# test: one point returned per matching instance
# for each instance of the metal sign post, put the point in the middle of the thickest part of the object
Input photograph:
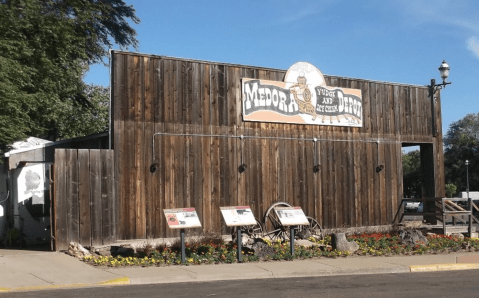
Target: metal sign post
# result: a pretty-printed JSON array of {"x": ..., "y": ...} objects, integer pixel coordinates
[
  {"x": 182, "y": 237},
  {"x": 291, "y": 233},
  {"x": 469, "y": 229},
  {"x": 240, "y": 242},
  {"x": 182, "y": 218},
  {"x": 292, "y": 217},
  {"x": 239, "y": 217}
]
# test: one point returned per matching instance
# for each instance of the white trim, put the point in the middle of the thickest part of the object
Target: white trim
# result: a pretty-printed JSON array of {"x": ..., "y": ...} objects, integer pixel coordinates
[{"x": 9, "y": 153}]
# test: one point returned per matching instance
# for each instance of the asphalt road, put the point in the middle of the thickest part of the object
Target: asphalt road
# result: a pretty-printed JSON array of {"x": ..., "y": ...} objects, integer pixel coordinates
[{"x": 432, "y": 284}]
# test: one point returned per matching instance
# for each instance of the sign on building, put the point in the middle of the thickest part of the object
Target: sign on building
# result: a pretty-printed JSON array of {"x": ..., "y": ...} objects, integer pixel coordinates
[{"x": 303, "y": 98}]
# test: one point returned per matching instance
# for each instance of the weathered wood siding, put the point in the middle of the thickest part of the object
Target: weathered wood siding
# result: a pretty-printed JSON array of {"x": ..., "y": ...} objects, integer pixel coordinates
[
  {"x": 153, "y": 94},
  {"x": 84, "y": 206}
]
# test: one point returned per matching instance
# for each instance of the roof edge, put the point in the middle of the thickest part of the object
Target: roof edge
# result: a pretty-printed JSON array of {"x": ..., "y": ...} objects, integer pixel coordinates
[
  {"x": 100, "y": 134},
  {"x": 260, "y": 67}
]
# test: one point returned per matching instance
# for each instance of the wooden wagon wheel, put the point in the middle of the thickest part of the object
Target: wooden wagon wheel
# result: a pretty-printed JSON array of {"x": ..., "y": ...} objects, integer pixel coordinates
[
  {"x": 272, "y": 225},
  {"x": 313, "y": 227},
  {"x": 256, "y": 231}
]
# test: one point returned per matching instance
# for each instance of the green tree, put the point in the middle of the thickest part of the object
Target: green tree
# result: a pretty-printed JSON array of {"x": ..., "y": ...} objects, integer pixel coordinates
[
  {"x": 412, "y": 174},
  {"x": 93, "y": 118},
  {"x": 461, "y": 143},
  {"x": 451, "y": 190},
  {"x": 46, "y": 46}
]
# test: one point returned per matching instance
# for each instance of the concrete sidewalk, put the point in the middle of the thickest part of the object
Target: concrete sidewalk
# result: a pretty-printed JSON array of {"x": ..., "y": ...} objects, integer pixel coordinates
[{"x": 30, "y": 270}]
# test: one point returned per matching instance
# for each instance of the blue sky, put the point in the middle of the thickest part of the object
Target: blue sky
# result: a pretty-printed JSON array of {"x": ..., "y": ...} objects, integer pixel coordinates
[{"x": 394, "y": 41}]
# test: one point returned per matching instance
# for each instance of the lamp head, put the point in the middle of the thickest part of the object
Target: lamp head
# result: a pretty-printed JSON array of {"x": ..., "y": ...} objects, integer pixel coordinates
[
  {"x": 467, "y": 162},
  {"x": 444, "y": 70}
]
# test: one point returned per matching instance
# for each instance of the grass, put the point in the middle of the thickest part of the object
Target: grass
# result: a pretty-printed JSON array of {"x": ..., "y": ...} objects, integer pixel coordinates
[{"x": 211, "y": 250}]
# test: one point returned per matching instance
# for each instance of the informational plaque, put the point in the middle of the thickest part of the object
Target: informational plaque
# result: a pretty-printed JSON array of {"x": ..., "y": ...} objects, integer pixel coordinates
[
  {"x": 238, "y": 216},
  {"x": 182, "y": 218},
  {"x": 291, "y": 216}
]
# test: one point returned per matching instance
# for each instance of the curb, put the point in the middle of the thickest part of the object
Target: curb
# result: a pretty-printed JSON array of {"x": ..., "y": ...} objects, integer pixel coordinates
[
  {"x": 110, "y": 282},
  {"x": 115, "y": 281},
  {"x": 443, "y": 267}
]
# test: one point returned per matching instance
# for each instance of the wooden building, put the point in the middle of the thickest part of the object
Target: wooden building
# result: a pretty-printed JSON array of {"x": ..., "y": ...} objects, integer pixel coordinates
[{"x": 176, "y": 134}]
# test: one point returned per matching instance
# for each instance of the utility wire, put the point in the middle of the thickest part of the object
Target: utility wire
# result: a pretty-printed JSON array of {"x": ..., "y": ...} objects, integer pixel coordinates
[{"x": 242, "y": 137}]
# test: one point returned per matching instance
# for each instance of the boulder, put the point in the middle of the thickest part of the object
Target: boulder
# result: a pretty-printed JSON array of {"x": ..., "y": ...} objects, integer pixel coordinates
[
  {"x": 77, "y": 250},
  {"x": 457, "y": 236},
  {"x": 248, "y": 240},
  {"x": 412, "y": 237},
  {"x": 102, "y": 251},
  {"x": 304, "y": 234},
  {"x": 123, "y": 250},
  {"x": 307, "y": 243},
  {"x": 261, "y": 249},
  {"x": 339, "y": 242}
]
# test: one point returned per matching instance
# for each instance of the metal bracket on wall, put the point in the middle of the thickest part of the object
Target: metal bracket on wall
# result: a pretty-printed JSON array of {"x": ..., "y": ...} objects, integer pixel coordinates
[
  {"x": 433, "y": 88},
  {"x": 317, "y": 164},
  {"x": 380, "y": 166},
  {"x": 6, "y": 198}
]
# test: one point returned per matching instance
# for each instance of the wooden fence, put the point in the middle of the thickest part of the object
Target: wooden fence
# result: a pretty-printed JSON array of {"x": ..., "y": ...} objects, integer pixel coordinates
[{"x": 84, "y": 209}]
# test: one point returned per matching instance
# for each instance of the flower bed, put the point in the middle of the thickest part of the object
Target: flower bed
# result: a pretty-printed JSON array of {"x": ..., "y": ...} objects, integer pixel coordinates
[{"x": 209, "y": 253}]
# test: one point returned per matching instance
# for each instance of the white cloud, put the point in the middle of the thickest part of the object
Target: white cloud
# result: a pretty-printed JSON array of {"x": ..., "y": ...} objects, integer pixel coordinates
[
  {"x": 295, "y": 12},
  {"x": 473, "y": 46},
  {"x": 460, "y": 14}
]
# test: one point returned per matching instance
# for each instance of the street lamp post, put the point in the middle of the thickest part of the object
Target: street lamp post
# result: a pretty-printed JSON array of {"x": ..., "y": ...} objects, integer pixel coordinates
[
  {"x": 444, "y": 71},
  {"x": 467, "y": 177},
  {"x": 469, "y": 200}
]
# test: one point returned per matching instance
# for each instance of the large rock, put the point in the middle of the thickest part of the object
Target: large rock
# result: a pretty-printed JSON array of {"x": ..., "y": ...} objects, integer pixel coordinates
[
  {"x": 102, "y": 250},
  {"x": 457, "y": 236},
  {"x": 412, "y": 237},
  {"x": 307, "y": 243},
  {"x": 77, "y": 250},
  {"x": 304, "y": 234},
  {"x": 260, "y": 249},
  {"x": 123, "y": 250},
  {"x": 339, "y": 242}
]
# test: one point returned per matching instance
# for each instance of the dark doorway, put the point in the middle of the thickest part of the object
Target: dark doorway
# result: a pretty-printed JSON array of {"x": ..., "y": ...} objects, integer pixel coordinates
[
  {"x": 412, "y": 181},
  {"x": 418, "y": 176}
]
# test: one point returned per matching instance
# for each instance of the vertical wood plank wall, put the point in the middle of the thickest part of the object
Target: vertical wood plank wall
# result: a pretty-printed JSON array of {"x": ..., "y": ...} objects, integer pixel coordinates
[
  {"x": 154, "y": 94},
  {"x": 84, "y": 197}
]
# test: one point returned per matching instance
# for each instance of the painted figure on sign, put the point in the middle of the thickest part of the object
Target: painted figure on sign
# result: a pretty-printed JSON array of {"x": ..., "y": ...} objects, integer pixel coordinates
[
  {"x": 32, "y": 183},
  {"x": 36, "y": 205},
  {"x": 302, "y": 96}
]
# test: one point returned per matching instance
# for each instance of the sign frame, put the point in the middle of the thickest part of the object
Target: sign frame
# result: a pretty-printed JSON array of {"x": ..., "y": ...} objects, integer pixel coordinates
[
  {"x": 236, "y": 216},
  {"x": 291, "y": 216},
  {"x": 182, "y": 218}
]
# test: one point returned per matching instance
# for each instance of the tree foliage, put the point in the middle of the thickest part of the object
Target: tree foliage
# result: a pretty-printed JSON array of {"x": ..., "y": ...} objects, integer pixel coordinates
[
  {"x": 46, "y": 47},
  {"x": 412, "y": 174},
  {"x": 461, "y": 143},
  {"x": 80, "y": 120}
]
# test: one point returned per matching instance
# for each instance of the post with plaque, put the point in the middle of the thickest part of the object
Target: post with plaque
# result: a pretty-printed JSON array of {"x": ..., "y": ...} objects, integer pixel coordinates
[
  {"x": 238, "y": 216},
  {"x": 291, "y": 216},
  {"x": 180, "y": 219},
  {"x": 291, "y": 242}
]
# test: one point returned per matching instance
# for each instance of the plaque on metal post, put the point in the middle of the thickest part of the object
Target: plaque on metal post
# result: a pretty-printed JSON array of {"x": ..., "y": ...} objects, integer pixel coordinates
[
  {"x": 291, "y": 216},
  {"x": 182, "y": 218},
  {"x": 238, "y": 216}
]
